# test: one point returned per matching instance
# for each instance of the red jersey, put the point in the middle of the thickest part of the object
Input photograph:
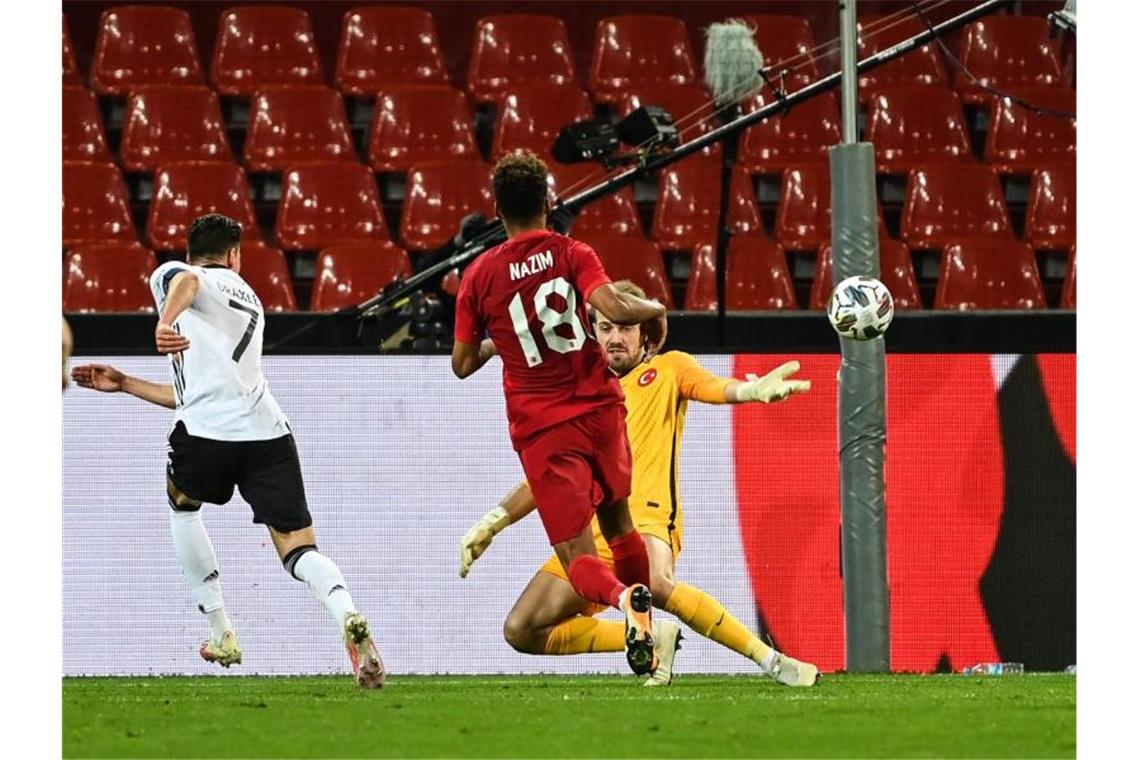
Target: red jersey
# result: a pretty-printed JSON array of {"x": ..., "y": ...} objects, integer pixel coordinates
[{"x": 529, "y": 296}]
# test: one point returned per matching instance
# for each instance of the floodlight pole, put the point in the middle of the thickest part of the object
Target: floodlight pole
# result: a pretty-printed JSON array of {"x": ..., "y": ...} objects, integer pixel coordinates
[{"x": 862, "y": 386}]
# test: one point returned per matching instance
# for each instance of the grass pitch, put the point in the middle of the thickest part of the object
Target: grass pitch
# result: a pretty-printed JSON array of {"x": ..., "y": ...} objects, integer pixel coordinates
[{"x": 575, "y": 716}]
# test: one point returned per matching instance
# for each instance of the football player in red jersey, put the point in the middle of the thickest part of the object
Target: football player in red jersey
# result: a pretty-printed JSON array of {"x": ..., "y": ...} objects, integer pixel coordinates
[{"x": 564, "y": 406}]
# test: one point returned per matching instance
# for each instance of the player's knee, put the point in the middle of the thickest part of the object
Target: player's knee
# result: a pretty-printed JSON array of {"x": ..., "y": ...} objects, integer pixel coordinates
[
  {"x": 661, "y": 586},
  {"x": 179, "y": 501},
  {"x": 519, "y": 634}
]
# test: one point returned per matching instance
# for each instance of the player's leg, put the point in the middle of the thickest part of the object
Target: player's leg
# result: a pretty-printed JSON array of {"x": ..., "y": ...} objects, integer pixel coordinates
[
  {"x": 550, "y": 618},
  {"x": 272, "y": 484},
  {"x": 708, "y": 617}
]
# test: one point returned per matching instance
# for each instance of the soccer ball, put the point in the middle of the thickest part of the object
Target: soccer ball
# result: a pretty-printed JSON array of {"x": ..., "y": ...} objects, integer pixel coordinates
[{"x": 861, "y": 308}]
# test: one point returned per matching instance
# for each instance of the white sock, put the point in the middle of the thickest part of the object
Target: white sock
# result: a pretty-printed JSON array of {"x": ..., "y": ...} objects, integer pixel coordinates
[
  {"x": 200, "y": 565},
  {"x": 324, "y": 579}
]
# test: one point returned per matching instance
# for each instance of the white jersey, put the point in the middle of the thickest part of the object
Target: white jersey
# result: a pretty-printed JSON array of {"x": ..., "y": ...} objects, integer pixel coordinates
[{"x": 218, "y": 385}]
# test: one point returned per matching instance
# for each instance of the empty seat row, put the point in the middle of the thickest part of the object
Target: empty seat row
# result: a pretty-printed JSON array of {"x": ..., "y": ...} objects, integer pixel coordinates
[
  {"x": 975, "y": 274},
  {"x": 380, "y": 45}
]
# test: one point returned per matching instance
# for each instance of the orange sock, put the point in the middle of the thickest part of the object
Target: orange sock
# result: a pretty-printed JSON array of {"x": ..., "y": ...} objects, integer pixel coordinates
[
  {"x": 707, "y": 616},
  {"x": 580, "y": 634}
]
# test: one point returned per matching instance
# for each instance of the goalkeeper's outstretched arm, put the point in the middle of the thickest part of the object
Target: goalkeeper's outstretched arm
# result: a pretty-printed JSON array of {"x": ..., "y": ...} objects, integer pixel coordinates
[{"x": 518, "y": 504}]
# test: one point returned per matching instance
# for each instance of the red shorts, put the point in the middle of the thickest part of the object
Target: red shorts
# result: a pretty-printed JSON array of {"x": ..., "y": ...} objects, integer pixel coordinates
[{"x": 576, "y": 465}]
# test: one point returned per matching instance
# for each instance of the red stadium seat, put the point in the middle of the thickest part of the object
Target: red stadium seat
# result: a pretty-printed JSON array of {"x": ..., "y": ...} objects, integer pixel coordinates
[
  {"x": 757, "y": 280},
  {"x": 688, "y": 204},
  {"x": 531, "y": 117},
  {"x": 141, "y": 45},
  {"x": 351, "y": 273},
  {"x": 637, "y": 50},
  {"x": 259, "y": 45},
  {"x": 171, "y": 123},
  {"x": 71, "y": 74},
  {"x": 386, "y": 45},
  {"x": 185, "y": 191},
  {"x": 108, "y": 277},
  {"x": 1020, "y": 141},
  {"x": 1069, "y": 289},
  {"x": 800, "y": 136},
  {"x": 803, "y": 216},
  {"x": 614, "y": 214},
  {"x": 916, "y": 125},
  {"x": 413, "y": 124},
  {"x": 1006, "y": 51},
  {"x": 945, "y": 202},
  {"x": 896, "y": 272},
  {"x": 326, "y": 204},
  {"x": 438, "y": 195},
  {"x": 518, "y": 50},
  {"x": 627, "y": 257},
  {"x": 918, "y": 67},
  {"x": 83, "y": 138},
  {"x": 785, "y": 41},
  {"x": 267, "y": 272},
  {"x": 989, "y": 273},
  {"x": 1051, "y": 216},
  {"x": 95, "y": 207},
  {"x": 293, "y": 124}
]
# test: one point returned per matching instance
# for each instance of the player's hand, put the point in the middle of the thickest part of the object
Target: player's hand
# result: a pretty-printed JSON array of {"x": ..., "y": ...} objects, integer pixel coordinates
[
  {"x": 479, "y": 538},
  {"x": 655, "y": 331},
  {"x": 775, "y": 386},
  {"x": 168, "y": 340},
  {"x": 99, "y": 377}
]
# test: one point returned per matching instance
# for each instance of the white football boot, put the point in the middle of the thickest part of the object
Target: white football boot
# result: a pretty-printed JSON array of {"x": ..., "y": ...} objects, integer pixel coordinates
[{"x": 666, "y": 641}]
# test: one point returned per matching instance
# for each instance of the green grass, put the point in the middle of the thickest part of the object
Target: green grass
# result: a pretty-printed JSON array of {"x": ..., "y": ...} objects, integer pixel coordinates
[{"x": 560, "y": 716}]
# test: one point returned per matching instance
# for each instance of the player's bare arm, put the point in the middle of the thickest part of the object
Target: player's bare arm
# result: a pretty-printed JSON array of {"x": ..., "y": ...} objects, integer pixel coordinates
[
  {"x": 105, "y": 378},
  {"x": 515, "y": 506},
  {"x": 468, "y": 358},
  {"x": 181, "y": 294},
  {"x": 627, "y": 309}
]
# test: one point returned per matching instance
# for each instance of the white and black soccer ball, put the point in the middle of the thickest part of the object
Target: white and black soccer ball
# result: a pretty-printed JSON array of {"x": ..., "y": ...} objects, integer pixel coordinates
[{"x": 861, "y": 308}]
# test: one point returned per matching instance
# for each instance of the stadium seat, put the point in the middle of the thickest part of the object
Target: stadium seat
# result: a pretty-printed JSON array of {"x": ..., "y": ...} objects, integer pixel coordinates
[
  {"x": 1006, "y": 51},
  {"x": 989, "y": 273},
  {"x": 614, "y": 214},
  {"x": 259, "y": 45},
  {"x": 293, "y": 124},
  {"x": 785, "y": 41},
  {"x": 108, "y": 277},
  {"x": 185, "y": 191},
  {"x": 518, "y": 50},
  {"x": 688, "y": 204},
  {"x": 167, "y": 123},
  {"x": 83, "y": 138},
  {"x": 387, "y": 45},
  {"x": 799, "y": 136},
  {"x": 895, "y": 271},
  {"x": 267, "y": 272},
  {"x": 140, "y": 45},
  {"x": 758, "y": 278},
  {"x": 1020, "y": 141},
  {"x": 1051, "y": 215},
  {"x": 1069, "y": 289},
  {"x": 639, "y": 49},
  {"x": 326, "y": 204},
  {"x": 412, "y": 124},
  {"x": 918, "y": 67},
  {"x": 438, "y": 195},
  {"x": 531, "y": 117},
  {"x": 945, "y": 202},
  {"x": 351, "y": 273},
  {"x": 71, "y": 74},
  {"x": 627, "y": 257},
  {"x": 803, "y": 215},
  {"x": 95, "y": 207},
  {"x": 916, "y": 125}
]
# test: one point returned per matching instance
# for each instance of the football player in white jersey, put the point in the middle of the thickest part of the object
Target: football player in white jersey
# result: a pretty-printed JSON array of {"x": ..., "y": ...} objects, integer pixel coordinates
[{"x": 229, "y": 431}]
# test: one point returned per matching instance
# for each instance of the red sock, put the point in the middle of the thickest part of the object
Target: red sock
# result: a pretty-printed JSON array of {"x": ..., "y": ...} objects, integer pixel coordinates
[
  {"x": 631, "y": 562},
  {"x": 594, "y": 580}
]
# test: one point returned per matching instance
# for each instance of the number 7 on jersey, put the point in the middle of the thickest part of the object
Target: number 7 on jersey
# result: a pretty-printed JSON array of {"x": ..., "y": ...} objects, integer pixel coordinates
[{"x": 243, "y": 344}]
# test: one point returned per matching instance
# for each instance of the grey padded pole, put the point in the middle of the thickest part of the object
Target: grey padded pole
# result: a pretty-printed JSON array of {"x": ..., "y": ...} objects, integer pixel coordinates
[{"x": 862, "y": 389}]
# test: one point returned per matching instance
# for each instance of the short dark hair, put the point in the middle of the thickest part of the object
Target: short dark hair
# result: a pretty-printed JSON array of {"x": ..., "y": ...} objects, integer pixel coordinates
[
  {"x": 210, "y": 236},
  {"x": 520, "y": 186}
]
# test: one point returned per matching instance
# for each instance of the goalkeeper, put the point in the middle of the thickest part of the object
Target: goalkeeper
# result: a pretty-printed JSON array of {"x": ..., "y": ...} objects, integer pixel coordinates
[{"x": 549, "y": 617}]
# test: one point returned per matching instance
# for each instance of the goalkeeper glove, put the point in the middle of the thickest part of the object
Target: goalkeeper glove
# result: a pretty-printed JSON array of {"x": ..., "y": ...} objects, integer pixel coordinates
[
  {"x": 774, "y": 386},
  {"x": 479, "y": 538}
]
